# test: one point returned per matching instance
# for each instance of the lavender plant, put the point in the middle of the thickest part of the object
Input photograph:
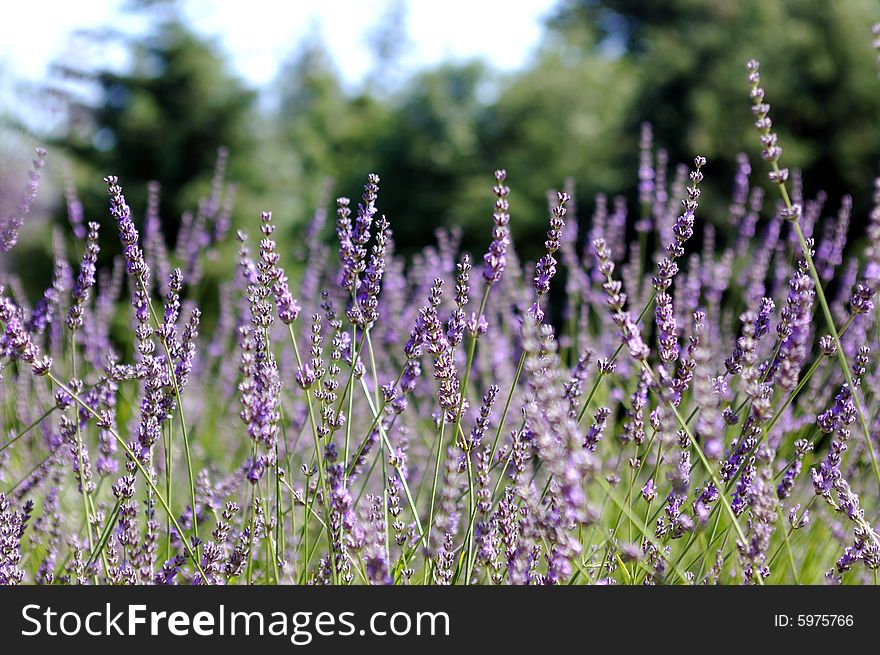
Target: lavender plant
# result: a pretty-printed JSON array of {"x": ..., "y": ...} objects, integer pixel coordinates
[{"x": 705, "y": 411}]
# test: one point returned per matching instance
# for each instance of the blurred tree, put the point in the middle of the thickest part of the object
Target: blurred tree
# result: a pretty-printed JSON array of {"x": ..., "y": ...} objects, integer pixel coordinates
[
  {"x": 690, "y": 55},
  {"x": 562, "y": 117},
  {"x": 162, "y": 114},
  {"x": 333, "y": 133},
  {"x": 163, "y": 117},
  {"x": 437, "y": 139},
  {"x": 604, "y": 67},
  {"x": 433, "y": 153},
  {"x": 422, "y": 141}
]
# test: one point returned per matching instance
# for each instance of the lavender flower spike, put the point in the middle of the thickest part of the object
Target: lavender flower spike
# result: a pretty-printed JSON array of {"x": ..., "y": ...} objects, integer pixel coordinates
[
  {"x": 128, "y": 235},
  {"x": 12, "y": 224},
  {"x": 629, "y": 331},
  {"x": 276, "y": 280},
  {"x": 16, "y": 342},
  {"x": 545, "y": 269},
  {"x": 85, "y": 280},
  {"x": 11, "y": 529},
  {"x": 495, "y": 259}
]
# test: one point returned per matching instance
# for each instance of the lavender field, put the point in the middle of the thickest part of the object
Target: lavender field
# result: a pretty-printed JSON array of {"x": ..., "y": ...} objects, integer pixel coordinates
[{"x": 642, "y": 405}]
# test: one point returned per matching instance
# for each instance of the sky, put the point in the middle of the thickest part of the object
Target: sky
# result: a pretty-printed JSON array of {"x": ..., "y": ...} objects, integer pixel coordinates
[{"x": 258, "y": 34}]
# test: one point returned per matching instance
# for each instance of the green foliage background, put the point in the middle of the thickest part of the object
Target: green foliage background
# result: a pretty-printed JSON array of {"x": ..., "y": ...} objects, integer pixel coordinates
[{"x": 603, "y": 67}]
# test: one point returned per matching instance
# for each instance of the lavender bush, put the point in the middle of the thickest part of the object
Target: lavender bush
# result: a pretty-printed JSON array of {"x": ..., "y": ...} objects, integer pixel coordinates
[{"x": 659, "y": 414}]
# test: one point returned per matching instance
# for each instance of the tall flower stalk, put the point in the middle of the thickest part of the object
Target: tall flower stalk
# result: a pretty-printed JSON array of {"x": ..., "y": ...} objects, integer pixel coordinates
[{"x": 772, "y": 153}]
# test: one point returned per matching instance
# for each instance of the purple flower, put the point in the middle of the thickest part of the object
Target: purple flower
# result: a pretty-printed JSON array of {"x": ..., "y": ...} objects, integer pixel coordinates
[
  {"x": 482, "y": 422},
  {"x": 545, "y": 269},
  {"x": 594, "y": 433},
  {"x": 646, "y": 168},
  {"x": 801, "y": 447},
  {"x": 155, "y": 249},
  {"x": 629, "y": 331},
  {"x": 10, "y": 225},
  {"x": 49, "y": 305},
  {"x": 353, "y": 237},
  {"x": 128, "y": 235},
  {"x": 631, "y": 336},
  {"x": 273, "y": 274},
  {"x": 495, "y": 259},
  {"x": 85, "y": 280},
  {"x": 683, "y": 228},
  {"x": 795, "y": 330},
  {"x": 74, "y": 206},
  {"x": 366, "y": 312},
  {"x": 444, "y": 356},
  {"x": 771, "y": 150},
  {"x": 16, "y": 342},
  {"x": 557, "y": 438},
  {"x": 11, "y": 529},
  {"x": 667, "y": 336},
  {"x": 185, "y": 352},
  {"x": 456, "y": 324},
  {"x": 260, "y": 400},
  {"x": 703, "y": 504},
  {"x": 861, "y": 302},
  {"x": 634, "y": 426},
  {"x": 829, "y": 255}
]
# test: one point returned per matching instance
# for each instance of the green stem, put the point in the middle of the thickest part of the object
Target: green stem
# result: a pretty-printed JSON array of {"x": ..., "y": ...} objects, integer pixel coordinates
[
  {"x": 83, "y": 484},
  {"x": 841, "y": 356},
  {"x": 319, "y": 457},
  {"x": 437, "y": 460},
  {"x": 794, "y": 571},
  {"x": 30, "y": 427},
  {"x": 122, "y": 444},
  {"x": 706, "y": 465}
]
